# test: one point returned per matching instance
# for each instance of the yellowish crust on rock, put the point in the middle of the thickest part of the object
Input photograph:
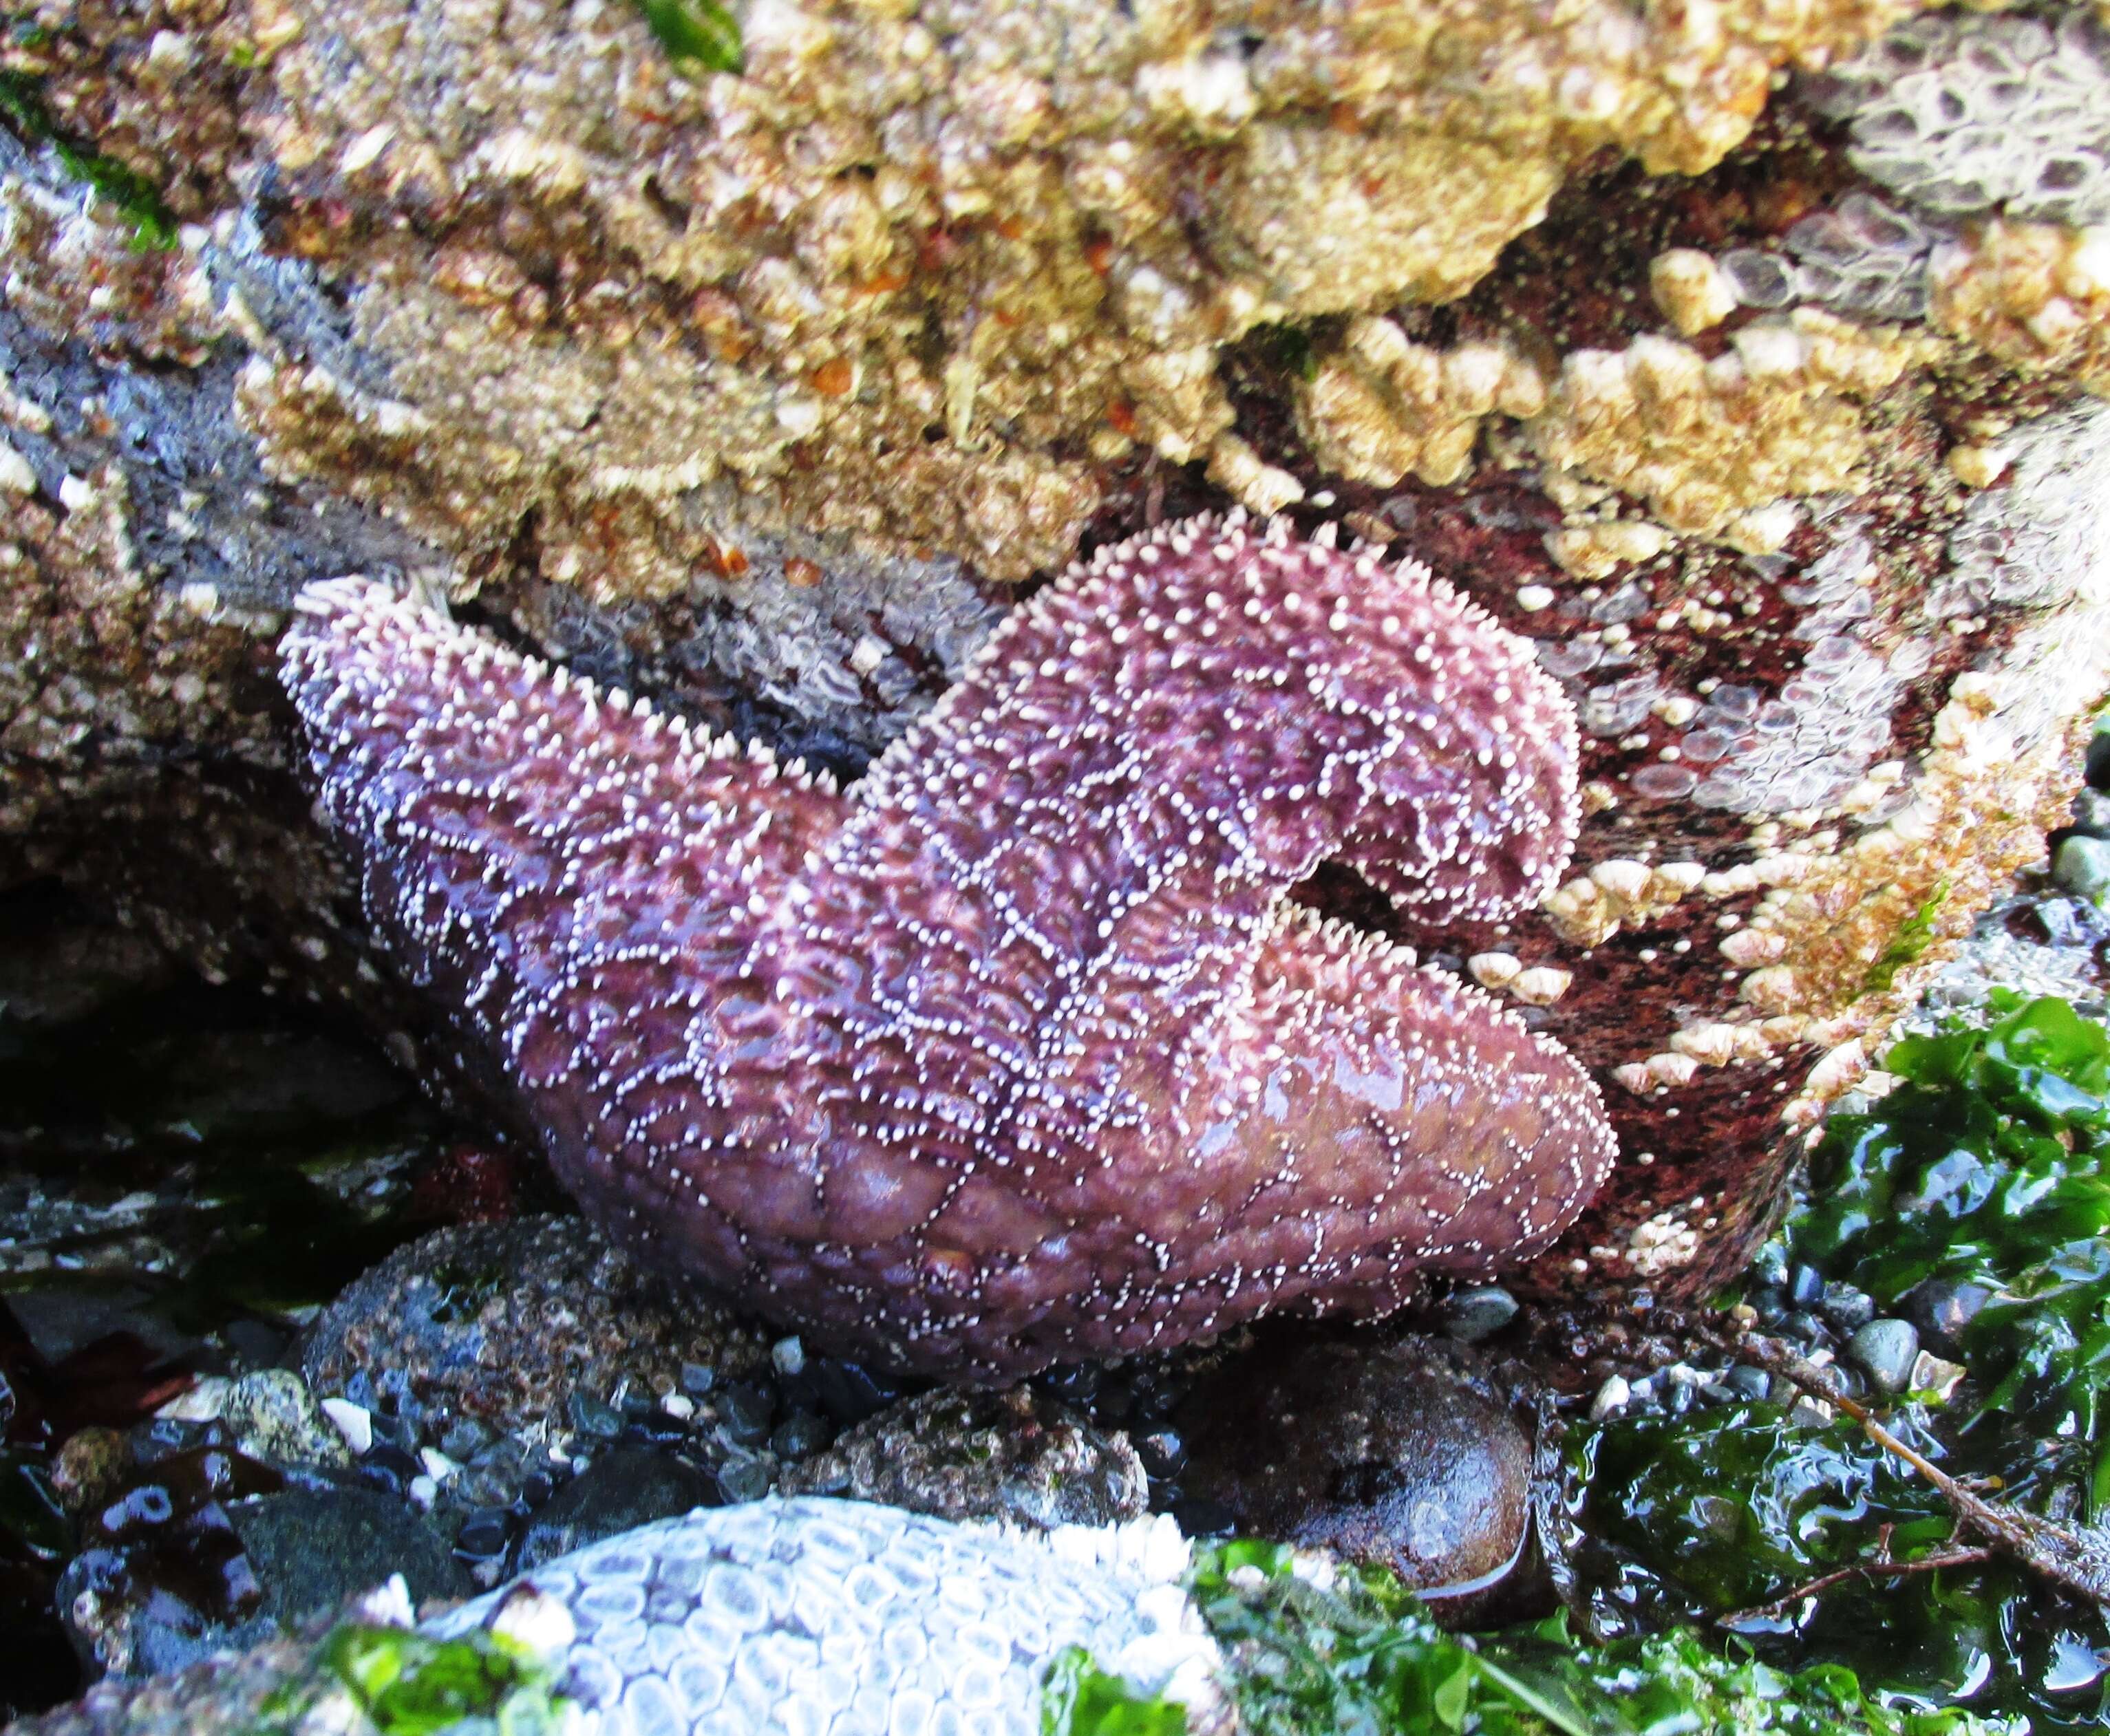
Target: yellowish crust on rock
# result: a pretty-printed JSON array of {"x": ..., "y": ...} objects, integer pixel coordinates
[
  {"x": 923, "y": 271},
  {"x": 1703, "y": 442},
  {"x": 2034, "y": 294}
]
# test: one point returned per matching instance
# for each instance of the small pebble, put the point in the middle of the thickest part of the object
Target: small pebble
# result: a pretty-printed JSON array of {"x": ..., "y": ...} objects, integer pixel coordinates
[
  {"x": 680, "y": 1406},
  {"x": 1613, "y": 1397},
  {"x": 2091, "y": 814},
  {"x": 422, "y": 1492},
  {"x": 1809, "y": 1414},
  {"x": 745, "y": 1411},
  {"x": 696, "y": 1380},
  {"x": 799, "y": 1435},
  {"x": 1768, "y": 1267},
  {"x": 1805, "y": 1286},
  {"x": 590, "y": 1416},
  {"x": 1943, "y": 1309},
  {"x": 1478, "y": 1312},
  {"x": 354, "y": 1422},
  {"x": 1747, "y": 1382},
  {"x": 1803, "y": 1326},
  {"x": 789, "y": 1355},
  {"x": 2082, "y": 866},
  {"x": 438, "y": 1467},
  {"x": 483, "y": 1536},
  {"x": 1846, "y": 1309},
  {"x": 744, "y": 1477},
  {"x": 1884, "y": 1349},
  {"x": 465, "y": 1438}
]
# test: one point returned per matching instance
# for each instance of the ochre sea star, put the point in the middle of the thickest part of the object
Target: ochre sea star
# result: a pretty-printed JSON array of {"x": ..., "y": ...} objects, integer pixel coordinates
[{"x": 1015, "y": 1051}]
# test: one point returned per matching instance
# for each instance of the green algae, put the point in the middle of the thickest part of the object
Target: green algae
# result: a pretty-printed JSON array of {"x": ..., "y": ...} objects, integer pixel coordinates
[
  {"x": 1355, "y": 1653},
  {"x": 697, "y": 34},
  {"x": 403, "y": 1683},
  {"x": 135, "y": 198},
  {"x": 1986, "y": 1165}
]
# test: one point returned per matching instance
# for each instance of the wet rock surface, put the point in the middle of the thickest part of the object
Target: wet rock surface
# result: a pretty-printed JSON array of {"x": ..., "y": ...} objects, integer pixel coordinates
[
  {"x": 1012, "y": 1455},
  {"x": 503, "y": 1323},
  {"x": 628, "y": 1487},
  {"x": 1400, "y": 1452}
]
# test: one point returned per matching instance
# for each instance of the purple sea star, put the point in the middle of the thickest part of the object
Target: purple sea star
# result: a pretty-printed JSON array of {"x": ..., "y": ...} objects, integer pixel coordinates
[{"x": 1015, "y": 1051}]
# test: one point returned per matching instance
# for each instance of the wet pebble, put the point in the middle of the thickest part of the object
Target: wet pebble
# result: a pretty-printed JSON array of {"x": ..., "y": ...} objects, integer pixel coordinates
[
  {"x": 1392, "y": 1453},
  {"x": 1884, "y": 1350},
  {"x": 2081, "y": 866},
  {"x": 1943, "y": 1309},
  {"x": 1478, "y": 1313},
  {"x": 1847, "y": 1309}
]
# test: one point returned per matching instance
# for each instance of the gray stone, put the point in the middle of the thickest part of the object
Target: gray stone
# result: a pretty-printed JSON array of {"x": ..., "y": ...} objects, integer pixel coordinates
[
  {"x": 274, "y": 1417},
  {"x": 1013, "y": 1455},
  {"x": 1943, "y": 1309},
  {"x": 1846, "y": 1309},
  {"x": 624, "y": 1488},
  {"x": 311, "y": 1548},
  {"x": 2091, "y": 814},
  {"x": 1884, "y": 1350},
  {"x": 1747, "y": 1382},
  {"x": 2082, "y": 866},
  {"x": 1478, "y": 1312}
]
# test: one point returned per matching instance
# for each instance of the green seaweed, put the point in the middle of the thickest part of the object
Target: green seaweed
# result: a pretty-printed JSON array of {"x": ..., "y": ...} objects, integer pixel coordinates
[
  {"x": 1986, "y": 1165},
  {"x": 1915, "y": 934},
  {"x": 1078, "y": 1698},
  {"x": 137, "y": 199},
  {"x": 697, "y": 33},
  {"x": 410, "y": 1685},
  {"x": 1360, "y": 1656}
]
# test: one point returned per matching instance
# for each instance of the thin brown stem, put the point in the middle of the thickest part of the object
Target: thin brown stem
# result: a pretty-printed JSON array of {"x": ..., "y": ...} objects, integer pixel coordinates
[
  {"x": 2050, "y": 1551},
  {"x": 1879, "y": 1566}
]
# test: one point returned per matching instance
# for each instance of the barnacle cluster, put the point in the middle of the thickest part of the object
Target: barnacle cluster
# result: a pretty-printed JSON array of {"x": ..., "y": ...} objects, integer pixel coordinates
[{"x": 918, "y": 278}]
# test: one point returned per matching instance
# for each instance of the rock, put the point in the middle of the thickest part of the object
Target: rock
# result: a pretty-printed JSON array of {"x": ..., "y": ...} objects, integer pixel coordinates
[
  {"x": 275, "y": 1418},
  {"x": 311, "y": 1548},
  {"x": 1747, "y": 1382},
  {"x": 1013, "y": 1455},
  {"x": 1847, "y": 1309},
  {"x": 223, "y": 1695},
  {"x": 1394, "y": 1453},
  {"x": 628, "y": 1487},
  {"x": 55, "y": 975},
  {"x": 2081, "y": 866},
  {"x": 1477, "y": 1312},
  {"x": 1884, "y": 1350},
  {"x": 161, "y": 1579},
  {"x": 2091, "y": 814},
  {"x": 90, "y": 1466},
  {"x": 1943, "y": 1309},
  {"x": 1613, "y": 1397},
  {"x": 2098, "y": 767},
  {"x": 505, "y": 1323}
]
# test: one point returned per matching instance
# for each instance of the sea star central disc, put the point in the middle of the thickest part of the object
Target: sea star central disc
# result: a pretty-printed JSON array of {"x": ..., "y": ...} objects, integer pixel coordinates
[{"x": 1015, "y": 1051}]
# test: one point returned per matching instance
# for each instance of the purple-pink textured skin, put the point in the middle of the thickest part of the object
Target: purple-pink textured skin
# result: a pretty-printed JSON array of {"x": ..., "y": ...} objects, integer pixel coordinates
[{"x": 1015, "y": 1051}]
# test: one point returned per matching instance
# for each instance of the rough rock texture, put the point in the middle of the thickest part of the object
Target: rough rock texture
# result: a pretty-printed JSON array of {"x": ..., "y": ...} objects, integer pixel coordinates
[
  {"x": 504, "y": 1323},
  {"x": 1015, "y": 1053},
  {"x": 748, "y": 385},
  {"x": 1396, "y": 1453},
  {"x": 1009, "y": 1456}
]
